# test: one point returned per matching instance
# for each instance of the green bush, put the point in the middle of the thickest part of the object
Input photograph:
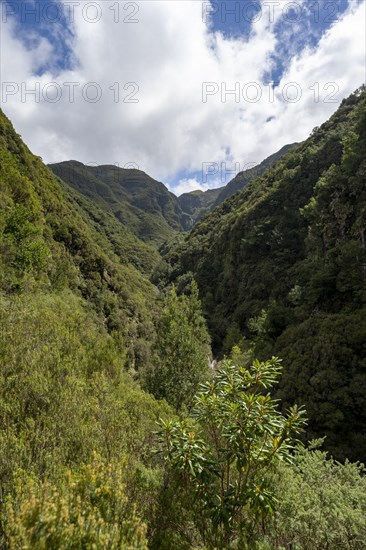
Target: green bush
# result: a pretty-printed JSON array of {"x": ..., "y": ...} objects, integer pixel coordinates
[
  {"x": 89, "y": 511},
  {"x": 182, "y": 350},
  {"x": 322, "y": 504},
  {"x": 64, "y": 392},
  {"x": 221, "y": 462}
]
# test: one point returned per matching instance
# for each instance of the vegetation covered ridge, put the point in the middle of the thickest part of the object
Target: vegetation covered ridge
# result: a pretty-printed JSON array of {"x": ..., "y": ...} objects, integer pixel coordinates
[
  {"x": 117, "y": 430},
  {"x": 281, "y": 270}
]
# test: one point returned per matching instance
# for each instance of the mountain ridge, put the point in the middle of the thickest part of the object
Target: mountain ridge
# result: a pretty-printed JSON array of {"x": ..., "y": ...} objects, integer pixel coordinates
[
  {"x": 137, "y": 200},
  {"x": 244, "y": 177},
  {"x": 145, "y": 205}
]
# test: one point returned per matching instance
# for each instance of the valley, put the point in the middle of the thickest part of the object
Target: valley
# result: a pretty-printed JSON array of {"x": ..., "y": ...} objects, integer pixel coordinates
[{"x": 116, "y": 296}]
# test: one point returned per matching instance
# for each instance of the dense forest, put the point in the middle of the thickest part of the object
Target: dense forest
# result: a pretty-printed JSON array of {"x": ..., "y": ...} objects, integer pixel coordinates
[
  {"x": 182, "y": 390},
  {"x": 281, "y": 271}
]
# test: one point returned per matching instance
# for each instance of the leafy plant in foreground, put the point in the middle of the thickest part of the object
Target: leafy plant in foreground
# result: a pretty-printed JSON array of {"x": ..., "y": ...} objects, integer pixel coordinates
[
  {"x": 323, "y": 503},
  {"x": 223, "y": 459}
]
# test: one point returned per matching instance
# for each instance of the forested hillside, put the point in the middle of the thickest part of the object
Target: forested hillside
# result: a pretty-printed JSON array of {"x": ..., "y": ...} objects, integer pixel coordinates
[
  {"x": 79, "y": 338},
  {"x": 117, "y": 429},
  {"x": 281, "y": 270},
  {"x": 138, "y": 202},
  {"x": 52, "y": 241},
  {"x": 198, "y": 203},
  {"x": 243, "y": 178}
]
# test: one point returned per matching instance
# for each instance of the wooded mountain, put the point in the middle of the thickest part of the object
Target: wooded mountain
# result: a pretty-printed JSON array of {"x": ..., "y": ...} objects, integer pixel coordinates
[
  {"x": 77, "y": 318},
  {"x": 281, "y": 267},
  {"x": 144, "y": 205},
  {"x": 243, "y": 178},
  {"x": 89, "y": 458},
  {"x": 139, "y": 202}
]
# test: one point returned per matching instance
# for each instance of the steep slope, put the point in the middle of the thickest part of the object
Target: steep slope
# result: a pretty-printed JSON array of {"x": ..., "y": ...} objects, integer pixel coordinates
[
  {"x": 198, "y": 203},
  {"x": 243, "y": 178},
  {"x": 282, "y": 264},
  {"x": 53, "y": 239},
  {"x": 112, "y": 235},
  {"x": 77, "y": 319},
  {"x": 139, "y": 202}
]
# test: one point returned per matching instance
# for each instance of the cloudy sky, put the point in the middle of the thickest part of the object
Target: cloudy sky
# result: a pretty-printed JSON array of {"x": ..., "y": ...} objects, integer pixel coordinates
[{"x": 191, "y": 92}]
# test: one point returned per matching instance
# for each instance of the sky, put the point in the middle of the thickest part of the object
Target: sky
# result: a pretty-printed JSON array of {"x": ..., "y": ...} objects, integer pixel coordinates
[{"x": 189, "y": 91}]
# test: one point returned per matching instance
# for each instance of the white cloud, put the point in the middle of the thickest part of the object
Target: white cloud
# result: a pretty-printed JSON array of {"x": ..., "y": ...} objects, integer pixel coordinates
[
  {"x": 169, "y": 53},
  {"x": 186, "y": 185}
]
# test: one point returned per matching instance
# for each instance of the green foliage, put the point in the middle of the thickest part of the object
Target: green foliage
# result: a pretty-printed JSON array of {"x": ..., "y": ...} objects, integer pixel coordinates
[
  {"x": 182, "y": 350},
  {"x": 284, "y": 254},
  {"x": 56, "y": 357},
  {"x": 90, "y": 510},
  {"x": 281, "y": 268},
  {"x": 324, "y": 366},
  {"x": 137, "y": 201},
  {"x": 234, "y": 337},
  {"x": 51, "y": 238},
  {"x": 73, "y": 330},
  {"x": 223, "y": 459},
  {"x": 322, "y": 504},
  {"x": 30, "y": 250},
  {"x": 17, "y": 224},
  {"x": 64, "y": 392}
]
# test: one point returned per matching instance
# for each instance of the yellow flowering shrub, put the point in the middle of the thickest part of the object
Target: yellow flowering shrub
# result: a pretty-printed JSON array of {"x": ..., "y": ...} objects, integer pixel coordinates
[{"x": 88, "y": 511}]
